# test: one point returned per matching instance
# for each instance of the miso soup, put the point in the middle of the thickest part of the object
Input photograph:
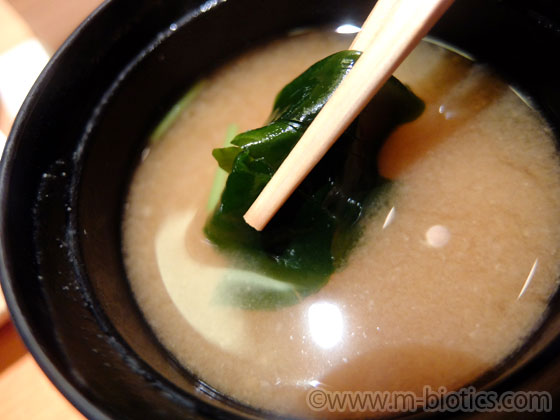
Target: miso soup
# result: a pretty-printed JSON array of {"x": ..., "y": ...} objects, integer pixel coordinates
[{"x": 449, "y": 278}]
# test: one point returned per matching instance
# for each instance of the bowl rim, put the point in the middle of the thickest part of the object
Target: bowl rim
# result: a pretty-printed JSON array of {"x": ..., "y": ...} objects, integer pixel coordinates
[
  {"x": 55, "y": 375},
  {"x": 69, "y": 391}
]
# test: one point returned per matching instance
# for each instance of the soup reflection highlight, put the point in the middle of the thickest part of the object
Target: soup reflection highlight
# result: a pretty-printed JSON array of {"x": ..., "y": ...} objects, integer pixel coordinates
[{"x": 326, "y": 324}]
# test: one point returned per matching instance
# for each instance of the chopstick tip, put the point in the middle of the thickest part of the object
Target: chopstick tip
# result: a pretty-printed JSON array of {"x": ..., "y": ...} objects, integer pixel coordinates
[{"x": 253, "y": 219}]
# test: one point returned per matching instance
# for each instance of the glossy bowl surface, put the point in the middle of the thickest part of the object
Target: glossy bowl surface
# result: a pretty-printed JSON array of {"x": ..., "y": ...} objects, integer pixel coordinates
[{"x": 78, "y": 138}]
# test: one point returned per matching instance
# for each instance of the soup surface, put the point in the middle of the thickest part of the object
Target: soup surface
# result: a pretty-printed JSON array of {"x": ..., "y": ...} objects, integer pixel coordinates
[{"x": 447, "y": 280}]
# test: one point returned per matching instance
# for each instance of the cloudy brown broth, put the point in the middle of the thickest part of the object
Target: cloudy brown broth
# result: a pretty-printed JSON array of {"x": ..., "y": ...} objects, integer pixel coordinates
[{"x": 448, "y": 279}]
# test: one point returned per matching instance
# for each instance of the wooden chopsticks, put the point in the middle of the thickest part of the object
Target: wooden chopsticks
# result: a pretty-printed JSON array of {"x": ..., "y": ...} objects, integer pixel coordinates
[{"x": 389, "y": 34}]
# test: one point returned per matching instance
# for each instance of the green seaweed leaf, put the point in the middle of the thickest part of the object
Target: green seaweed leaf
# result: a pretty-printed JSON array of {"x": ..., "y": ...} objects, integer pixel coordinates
[
  {"x": 221, "y": 175},
  {"x": 172, "y": 115},
  {"x": 311, "y": 235}
]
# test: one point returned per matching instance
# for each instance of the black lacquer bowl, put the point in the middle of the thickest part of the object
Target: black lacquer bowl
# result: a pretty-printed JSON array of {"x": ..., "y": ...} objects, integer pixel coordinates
[{"x": 78, "y": 138}]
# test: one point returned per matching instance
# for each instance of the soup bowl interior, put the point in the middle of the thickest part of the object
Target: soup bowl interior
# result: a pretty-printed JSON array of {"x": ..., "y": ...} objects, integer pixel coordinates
[{"x": 80, "y": 134}]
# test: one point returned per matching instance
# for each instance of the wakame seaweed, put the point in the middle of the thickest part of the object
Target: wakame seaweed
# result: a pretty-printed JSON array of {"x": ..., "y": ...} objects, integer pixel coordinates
[{"x": 311, "y": 235}]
